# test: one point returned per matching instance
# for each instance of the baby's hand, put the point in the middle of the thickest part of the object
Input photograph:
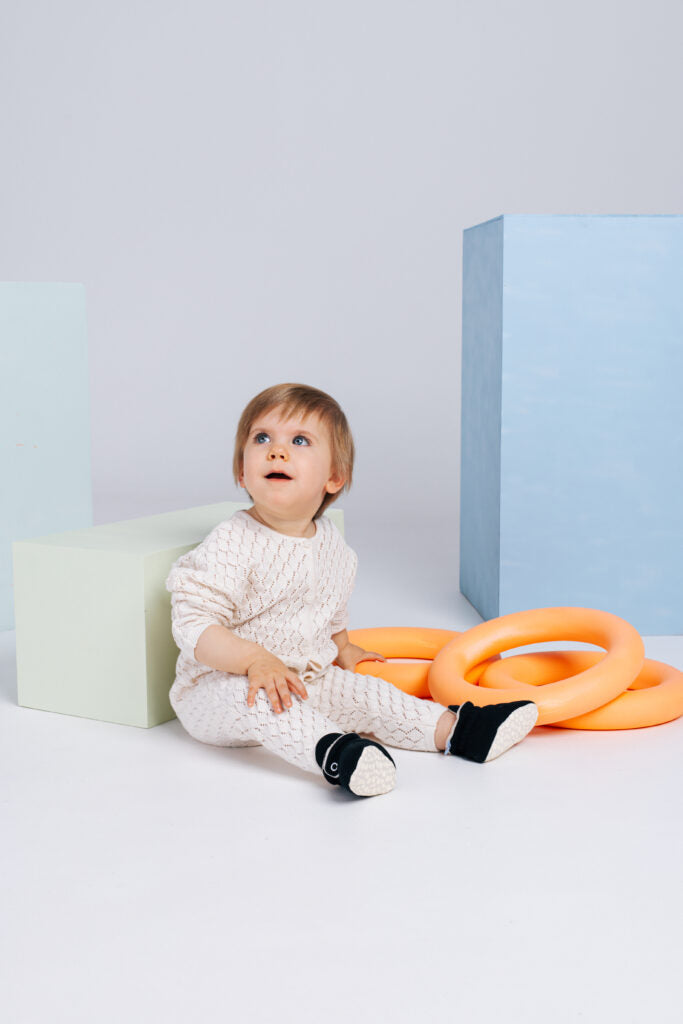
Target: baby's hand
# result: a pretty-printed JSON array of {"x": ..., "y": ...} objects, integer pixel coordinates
[
  {"x": 371, "y": 656},
  {"x": 269, "y": 672},
  {"x": 349, "y": 657}
]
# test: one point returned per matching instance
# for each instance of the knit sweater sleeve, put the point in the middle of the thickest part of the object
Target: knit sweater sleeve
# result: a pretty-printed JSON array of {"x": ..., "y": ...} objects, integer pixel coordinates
[
  {"x": 206, "y": 585},
  {"x": 340, "y": 620}
]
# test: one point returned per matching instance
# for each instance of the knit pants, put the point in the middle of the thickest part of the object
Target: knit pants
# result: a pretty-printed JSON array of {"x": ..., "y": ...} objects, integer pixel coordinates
[{"x": 215, "y": 711}]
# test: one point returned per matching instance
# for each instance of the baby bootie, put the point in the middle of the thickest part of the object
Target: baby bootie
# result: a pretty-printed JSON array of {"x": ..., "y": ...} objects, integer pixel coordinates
[
  {"x": 359, "y": 765},
  {"x": 480, "y": 734}
]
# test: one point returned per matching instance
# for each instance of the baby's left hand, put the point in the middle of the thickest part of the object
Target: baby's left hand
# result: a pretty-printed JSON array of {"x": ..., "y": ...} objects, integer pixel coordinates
[
  {"x": 352, "y": 654},
  {"x": 371, "y": 656}
]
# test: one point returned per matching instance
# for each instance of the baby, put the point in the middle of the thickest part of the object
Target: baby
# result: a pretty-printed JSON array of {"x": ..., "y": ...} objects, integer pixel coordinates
[{"x": 259, "y": 612}]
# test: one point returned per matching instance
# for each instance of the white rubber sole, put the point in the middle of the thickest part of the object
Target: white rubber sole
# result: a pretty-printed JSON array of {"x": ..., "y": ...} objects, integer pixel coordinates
[
  {"x": 374, "y": 774},
  {"x": 518, "y": 725}
]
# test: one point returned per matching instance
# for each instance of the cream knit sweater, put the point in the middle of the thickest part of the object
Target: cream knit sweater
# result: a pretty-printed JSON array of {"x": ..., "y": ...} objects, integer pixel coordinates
[{"x": 288, "y": 594}]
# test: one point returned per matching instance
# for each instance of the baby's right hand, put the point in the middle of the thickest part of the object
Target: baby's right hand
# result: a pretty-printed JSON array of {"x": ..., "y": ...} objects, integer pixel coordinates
[{"x": 269, "y": 672}]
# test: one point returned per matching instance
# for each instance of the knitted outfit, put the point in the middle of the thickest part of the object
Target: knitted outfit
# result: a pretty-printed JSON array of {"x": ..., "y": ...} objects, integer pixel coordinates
[{"x": 290, "y": 595}]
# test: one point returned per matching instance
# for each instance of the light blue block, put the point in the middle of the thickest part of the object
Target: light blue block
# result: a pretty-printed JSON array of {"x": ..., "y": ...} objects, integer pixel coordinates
[
  {"x": 44, "y": 419},
  {"x": 572, "y": 416}
]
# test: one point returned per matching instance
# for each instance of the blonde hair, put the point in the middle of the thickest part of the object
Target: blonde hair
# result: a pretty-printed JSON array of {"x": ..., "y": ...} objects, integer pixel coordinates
[{"x": 301, "y": 400}]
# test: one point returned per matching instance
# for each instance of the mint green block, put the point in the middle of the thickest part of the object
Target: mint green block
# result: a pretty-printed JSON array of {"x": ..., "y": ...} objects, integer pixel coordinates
[{"x": 93, "y": 616}]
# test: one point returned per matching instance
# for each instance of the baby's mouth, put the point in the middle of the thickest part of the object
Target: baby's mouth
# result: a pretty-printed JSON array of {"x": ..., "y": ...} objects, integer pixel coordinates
[{"x": 278, "y": 476}]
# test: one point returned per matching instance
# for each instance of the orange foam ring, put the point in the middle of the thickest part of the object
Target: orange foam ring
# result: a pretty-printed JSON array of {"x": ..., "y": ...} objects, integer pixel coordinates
[
  {"x": 655, "y": 696},
  {"x": 403, "y": 642},
  {"x": 557, "y": 701}
]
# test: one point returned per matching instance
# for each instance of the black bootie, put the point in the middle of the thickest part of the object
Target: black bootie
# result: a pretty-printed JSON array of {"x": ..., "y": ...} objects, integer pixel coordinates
[
  {"x": 480, "y": 734},
  {"x": 357, "y": 764}
]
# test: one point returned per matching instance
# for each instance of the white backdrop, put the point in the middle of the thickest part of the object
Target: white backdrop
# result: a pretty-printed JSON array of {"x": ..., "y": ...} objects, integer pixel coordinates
[{"x": 260, "y": 192}]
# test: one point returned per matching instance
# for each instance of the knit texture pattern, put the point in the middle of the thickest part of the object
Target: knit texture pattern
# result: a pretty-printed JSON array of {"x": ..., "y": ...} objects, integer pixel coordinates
[
  {"x": 288, "y": 594},
  {"x": 216, "y": 712}
]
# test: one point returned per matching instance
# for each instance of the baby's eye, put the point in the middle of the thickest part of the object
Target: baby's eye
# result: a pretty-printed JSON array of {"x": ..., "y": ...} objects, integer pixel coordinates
[{"x": 262, "y": 433}]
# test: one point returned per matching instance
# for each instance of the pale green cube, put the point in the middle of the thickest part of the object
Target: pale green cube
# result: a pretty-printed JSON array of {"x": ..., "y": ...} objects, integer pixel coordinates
[{"x": 93, "y": 616}]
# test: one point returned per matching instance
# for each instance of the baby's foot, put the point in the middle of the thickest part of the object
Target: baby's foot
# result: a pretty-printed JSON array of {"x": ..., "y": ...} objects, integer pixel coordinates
[
  {"x": 359, "y": 765},
  {"x": 480, "y": 734}
]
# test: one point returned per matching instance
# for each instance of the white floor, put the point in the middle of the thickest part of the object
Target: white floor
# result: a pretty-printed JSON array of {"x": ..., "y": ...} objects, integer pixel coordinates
[{"x": 148, "y": 877}]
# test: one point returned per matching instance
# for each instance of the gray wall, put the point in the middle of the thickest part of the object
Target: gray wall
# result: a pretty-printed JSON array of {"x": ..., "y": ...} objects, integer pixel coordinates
[{"x": 260, "y": 192}]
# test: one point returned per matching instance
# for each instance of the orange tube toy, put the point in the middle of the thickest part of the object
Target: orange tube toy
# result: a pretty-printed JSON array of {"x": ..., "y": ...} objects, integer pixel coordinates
[
  {"x": 402, "y": 642},
  {"x": 557, "y": 701},
  {"x": 654, "y": 697}
]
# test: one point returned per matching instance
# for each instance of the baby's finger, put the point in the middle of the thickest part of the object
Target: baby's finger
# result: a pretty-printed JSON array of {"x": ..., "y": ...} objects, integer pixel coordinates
[
  {"x": 283, "y": 690},
  {"x": 298, "y": 686},
  {"x": 274, "y": 697}
]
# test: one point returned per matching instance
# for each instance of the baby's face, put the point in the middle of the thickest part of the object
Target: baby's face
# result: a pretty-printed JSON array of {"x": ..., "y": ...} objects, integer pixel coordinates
[{"x": 300, "y": 450}]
